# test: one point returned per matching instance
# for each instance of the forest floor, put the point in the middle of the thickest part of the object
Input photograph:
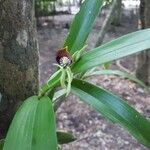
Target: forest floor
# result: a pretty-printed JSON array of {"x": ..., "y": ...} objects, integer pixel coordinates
[{"x": 93, "y": 131}]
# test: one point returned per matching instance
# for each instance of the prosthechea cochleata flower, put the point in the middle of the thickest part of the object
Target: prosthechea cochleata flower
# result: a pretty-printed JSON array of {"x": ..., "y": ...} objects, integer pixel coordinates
[{"x": 64, "y": 61}]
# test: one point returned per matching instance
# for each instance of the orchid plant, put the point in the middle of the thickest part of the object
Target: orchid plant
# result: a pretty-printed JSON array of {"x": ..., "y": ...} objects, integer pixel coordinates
[{"x": 34, "y": 127}]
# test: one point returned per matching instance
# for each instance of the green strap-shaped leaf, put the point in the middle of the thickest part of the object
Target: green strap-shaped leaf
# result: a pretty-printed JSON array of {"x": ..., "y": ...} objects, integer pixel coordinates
[
  {"x": 33, "y": 126},
  {"x": 114, "y": 108},
  {"x": 121, "y": 47},
  {"x": 65, "y": 137},
  {"x": 118, "y": 73},
  {"x": 44, "y": 137},
  {"x": 59, "y": 94},
  {"x": 82, "y": 25},
  {"x": 19, "y": 136}
]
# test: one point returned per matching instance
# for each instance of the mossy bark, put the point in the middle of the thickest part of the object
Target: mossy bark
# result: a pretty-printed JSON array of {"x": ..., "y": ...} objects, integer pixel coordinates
[
  {"x": 18, "y": 57},
  {"x": 143, "y": 59}
]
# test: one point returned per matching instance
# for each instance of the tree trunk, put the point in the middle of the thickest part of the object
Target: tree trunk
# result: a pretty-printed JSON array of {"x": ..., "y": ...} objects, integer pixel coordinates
[
  {"x": 106, "y": 23},
  {"x": 143, "y": 59},
  {"x": 117, "y": 14},
  {"x": 18, "y": 57},
  {"x": 69, "y": 6},
  {"x": 142, "y": 14}
]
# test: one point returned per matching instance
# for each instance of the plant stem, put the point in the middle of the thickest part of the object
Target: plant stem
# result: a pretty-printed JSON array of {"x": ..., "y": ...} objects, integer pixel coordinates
[{"x": 52, "y": 82}]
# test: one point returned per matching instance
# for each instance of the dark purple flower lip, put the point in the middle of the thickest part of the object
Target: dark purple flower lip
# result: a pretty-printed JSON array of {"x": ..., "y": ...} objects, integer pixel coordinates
[{"x": 63, "y": 57}]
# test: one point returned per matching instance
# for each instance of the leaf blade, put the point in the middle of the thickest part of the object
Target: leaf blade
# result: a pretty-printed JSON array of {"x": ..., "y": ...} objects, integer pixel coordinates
[
  {"x": 82, "y": 25},
  {"x": 121, "y": 47},
  {"x": 20, "y": 132},
  {"x": 44, "y": 127},
  {"x": 33, "y": 126},
  {"x": 114, "y": 108},
  {"x": 118, "y": 73}
]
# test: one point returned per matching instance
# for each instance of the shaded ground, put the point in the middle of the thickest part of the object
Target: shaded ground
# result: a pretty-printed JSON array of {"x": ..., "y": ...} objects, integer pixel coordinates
[{"x": 92, "y": 130}]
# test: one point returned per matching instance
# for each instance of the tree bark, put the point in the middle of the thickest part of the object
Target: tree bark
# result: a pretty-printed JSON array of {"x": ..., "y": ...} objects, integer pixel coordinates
[
  {"x": 18, "y": 57},
  {"x": 143, "y": 59}
]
